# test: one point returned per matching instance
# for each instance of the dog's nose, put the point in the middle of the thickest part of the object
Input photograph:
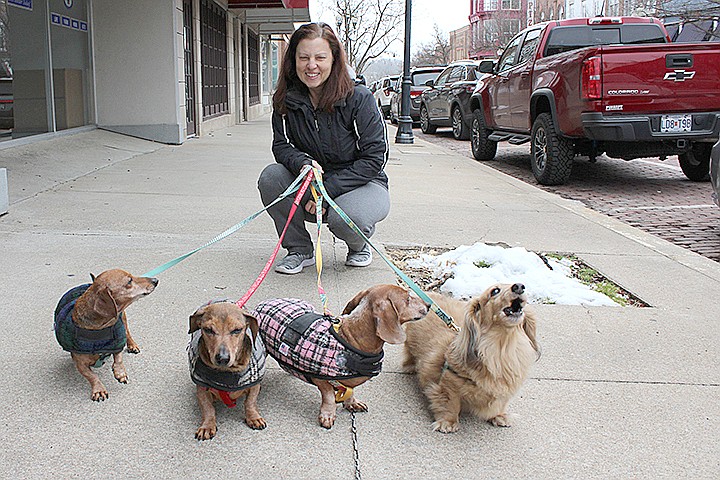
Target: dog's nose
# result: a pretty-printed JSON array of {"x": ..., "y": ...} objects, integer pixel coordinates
[
  {"x": 154, "y": 281},
  {"x": 518, "y": 288},
  {"x": 223, "y": 356}
]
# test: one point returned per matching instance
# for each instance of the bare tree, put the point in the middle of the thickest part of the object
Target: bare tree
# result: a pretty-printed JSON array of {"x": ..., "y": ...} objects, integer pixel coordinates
[
  {"x": 437, "y": 51},
  {"x": 688, "y": 10},
  {"x": 699, "y": 15},
  {"x": 367, "y": 28},
  {"x": 494, "y": 33}
]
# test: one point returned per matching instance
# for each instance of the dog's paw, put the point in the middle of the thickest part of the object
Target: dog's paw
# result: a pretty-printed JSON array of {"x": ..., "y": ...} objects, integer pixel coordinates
[
  {"x": 355, "y": 406},
  {"x": 120, "y": 375},
  {"x": 327, "y": 420},
  {"x": 205, "y": 433},
  {"x": 99, "y": 395},
  {"x": 258, "y": 423},
  {"x": 501, "y": 420},
  {"x": 445, "y": 426},
  {"x": 133, "y": 348}
]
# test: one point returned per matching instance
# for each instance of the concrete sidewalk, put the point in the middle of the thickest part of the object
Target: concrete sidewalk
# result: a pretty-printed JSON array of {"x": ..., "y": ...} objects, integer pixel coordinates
[{"x": 618, "y": 393}]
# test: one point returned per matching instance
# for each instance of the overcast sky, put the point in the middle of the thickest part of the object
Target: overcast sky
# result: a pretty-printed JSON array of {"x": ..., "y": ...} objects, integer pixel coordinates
[{"x": 448, "y": 14}]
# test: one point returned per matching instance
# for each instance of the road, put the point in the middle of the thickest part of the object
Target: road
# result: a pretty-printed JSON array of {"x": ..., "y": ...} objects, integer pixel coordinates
[{"x": 649, "y": 194}]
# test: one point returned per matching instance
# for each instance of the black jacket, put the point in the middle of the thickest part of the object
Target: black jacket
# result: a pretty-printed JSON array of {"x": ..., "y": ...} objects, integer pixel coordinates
[{"x": 350, "y": 143}]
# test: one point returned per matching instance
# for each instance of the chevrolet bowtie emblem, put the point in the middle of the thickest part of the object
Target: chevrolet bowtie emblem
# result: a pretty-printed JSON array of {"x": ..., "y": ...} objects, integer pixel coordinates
[{"x": 679, "y": 75}]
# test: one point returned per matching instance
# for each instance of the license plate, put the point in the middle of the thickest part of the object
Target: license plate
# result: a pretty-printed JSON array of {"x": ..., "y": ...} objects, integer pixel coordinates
[{"x": 675, "y": 123}]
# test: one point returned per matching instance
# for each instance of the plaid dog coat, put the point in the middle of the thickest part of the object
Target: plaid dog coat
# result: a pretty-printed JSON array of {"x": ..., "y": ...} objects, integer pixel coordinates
[
  {"x": 73, "y": 338},
  {"x": 305, "y": 344},
  {"x": 224, "y": 381}
]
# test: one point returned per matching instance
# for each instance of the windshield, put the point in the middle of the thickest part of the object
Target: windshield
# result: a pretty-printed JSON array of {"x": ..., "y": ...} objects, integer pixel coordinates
[
  {"x": 564, "y": 39},
  {"x": 420, "y": 78}
]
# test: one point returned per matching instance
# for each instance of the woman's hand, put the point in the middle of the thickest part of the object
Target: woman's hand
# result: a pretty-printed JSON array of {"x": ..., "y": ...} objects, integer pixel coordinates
[
  {"x": 311, "y": 207},
  {"x": 315, "y": 164}
]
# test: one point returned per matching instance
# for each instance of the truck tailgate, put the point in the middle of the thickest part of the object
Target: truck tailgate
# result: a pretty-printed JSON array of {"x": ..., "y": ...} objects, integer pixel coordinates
[{"x": 668, "y": 78}]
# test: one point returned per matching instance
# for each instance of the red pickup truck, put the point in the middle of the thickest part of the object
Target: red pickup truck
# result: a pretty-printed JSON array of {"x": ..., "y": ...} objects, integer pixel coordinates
[{"x": 588, "y": 86}]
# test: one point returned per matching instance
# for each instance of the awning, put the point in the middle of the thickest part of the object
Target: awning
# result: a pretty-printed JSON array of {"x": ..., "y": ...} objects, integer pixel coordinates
[{"x": 272, "y": 16}]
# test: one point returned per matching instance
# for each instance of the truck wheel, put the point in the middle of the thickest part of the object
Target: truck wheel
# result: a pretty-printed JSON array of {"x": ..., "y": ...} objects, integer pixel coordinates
[
  {"x": 482, "y": 148},
  {"x": 459, "y": 129},
  {"x": 551, "y": 154},
  {"x": 695, "y": 163},
  {"x": 425, "y": 124}
]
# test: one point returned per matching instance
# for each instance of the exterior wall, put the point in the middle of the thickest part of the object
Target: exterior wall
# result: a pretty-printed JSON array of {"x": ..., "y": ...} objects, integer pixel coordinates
[
  {"x": 138, "y": 68},
  {"x": 460, "y": 43}
]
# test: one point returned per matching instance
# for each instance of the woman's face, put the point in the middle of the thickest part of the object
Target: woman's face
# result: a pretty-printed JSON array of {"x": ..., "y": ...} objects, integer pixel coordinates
[{"x": 313, "y": 62}]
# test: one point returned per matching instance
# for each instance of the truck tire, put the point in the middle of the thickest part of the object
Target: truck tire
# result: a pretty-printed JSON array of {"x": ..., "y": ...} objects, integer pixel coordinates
[
  {"x": 459, "y": 129},
  {"x": 425, "y": 124},
  {"x": 482, "y": 148},
  {"x": 551, "y": 154},
  {"x": 695, "y": 164}
]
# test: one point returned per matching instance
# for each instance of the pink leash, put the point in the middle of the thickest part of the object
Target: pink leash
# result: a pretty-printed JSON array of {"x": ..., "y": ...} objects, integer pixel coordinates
[{"x": 298, "y": 196}]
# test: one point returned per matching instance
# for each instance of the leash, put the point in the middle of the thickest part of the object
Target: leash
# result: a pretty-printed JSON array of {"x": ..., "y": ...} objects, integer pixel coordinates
[
  {"x": 298, "y": 196},
  {"x": 293, "y": 186},
  {"x": 413, "y": 286},
  {"x": 318, "y": 249}
]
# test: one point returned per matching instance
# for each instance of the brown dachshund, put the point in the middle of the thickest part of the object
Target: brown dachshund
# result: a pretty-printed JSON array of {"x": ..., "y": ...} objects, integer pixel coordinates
[
  {"x": 337, "y": 355},
  {"x": 90, "y": 323},
  {"x": 480, "y": 368},
  {"x": 227, "y": 360}
]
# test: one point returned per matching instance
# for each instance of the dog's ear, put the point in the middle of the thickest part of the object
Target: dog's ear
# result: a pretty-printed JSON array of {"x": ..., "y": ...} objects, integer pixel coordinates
[
  {"x": 104, "y": 304},
  {"x": 387, "y": 320},
  {"x": 354, "y": 302},
  {"x": 530, "y": 327},
  {"x": 92, "y": 277},
  {"x": 196, "y": 318},
  {"x": 469, "y": 333},
  {"x": 252, "y": 324}
]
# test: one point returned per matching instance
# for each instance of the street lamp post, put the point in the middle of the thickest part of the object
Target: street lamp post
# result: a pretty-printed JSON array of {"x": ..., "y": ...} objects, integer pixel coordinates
[{"x": 404, "y": 132}]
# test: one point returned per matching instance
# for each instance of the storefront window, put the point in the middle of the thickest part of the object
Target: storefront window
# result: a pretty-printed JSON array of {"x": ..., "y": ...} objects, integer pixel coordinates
[{"x": 38, "y": 37}]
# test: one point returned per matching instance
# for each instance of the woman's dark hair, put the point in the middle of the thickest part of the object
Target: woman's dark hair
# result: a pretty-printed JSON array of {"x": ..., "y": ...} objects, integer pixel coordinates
[{"x": 339, "y": 85}]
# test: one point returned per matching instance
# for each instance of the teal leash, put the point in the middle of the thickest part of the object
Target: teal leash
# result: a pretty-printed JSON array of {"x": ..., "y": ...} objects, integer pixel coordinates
[
  {"x": 292, "y": 188},
  {"x": 413, "y": 286}
]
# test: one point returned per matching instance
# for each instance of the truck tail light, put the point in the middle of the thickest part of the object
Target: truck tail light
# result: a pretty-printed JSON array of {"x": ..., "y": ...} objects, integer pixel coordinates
[{"x": 591, "y": 78}]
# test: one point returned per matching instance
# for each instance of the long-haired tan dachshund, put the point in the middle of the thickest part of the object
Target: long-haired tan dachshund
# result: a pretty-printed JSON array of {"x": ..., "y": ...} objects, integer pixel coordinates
[
  {"x": 227, "y": 361},
  {"x": 483, "y": 366},
  {"x": 91, "y": 324},
  {"x": 339, "y": 354}
]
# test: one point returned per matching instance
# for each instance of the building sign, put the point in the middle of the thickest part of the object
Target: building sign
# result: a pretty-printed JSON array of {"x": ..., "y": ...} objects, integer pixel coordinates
[
  {"x": 26, "y": 4},
  {"x": 68, "y": 22}
]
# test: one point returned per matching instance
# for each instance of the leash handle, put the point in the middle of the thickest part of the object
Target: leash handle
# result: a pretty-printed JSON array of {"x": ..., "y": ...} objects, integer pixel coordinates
[
  {"x": 298, "y": 196},
  {"x": 413, "y": 286}
]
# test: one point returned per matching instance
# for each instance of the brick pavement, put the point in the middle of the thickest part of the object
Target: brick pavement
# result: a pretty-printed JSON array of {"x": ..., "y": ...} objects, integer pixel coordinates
[{"x": 649, "y": 194}]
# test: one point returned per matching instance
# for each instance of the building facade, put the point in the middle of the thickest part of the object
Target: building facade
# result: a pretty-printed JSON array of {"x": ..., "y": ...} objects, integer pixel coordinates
[
  {"x": 494, "y": 22},
  {"x": 162, "y": 70},
  {"x": 460, "y": 43}
]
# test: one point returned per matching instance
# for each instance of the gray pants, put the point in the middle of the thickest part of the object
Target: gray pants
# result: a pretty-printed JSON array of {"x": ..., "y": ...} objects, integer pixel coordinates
[{"x": 366, "y": 206}]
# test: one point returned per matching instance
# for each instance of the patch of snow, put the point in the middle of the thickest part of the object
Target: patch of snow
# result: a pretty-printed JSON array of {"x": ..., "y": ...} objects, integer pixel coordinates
[{"x": 476, "y": 267}]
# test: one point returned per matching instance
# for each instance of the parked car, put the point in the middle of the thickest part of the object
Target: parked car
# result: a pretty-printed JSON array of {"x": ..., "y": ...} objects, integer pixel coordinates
[
  {"x": 588, "y": 86},
  {"x": 715, "y": 172},
  {"x": 447, "y": 102},
  {"x": 418, "y": 77},
  {"x": 383, "y": 90}
]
